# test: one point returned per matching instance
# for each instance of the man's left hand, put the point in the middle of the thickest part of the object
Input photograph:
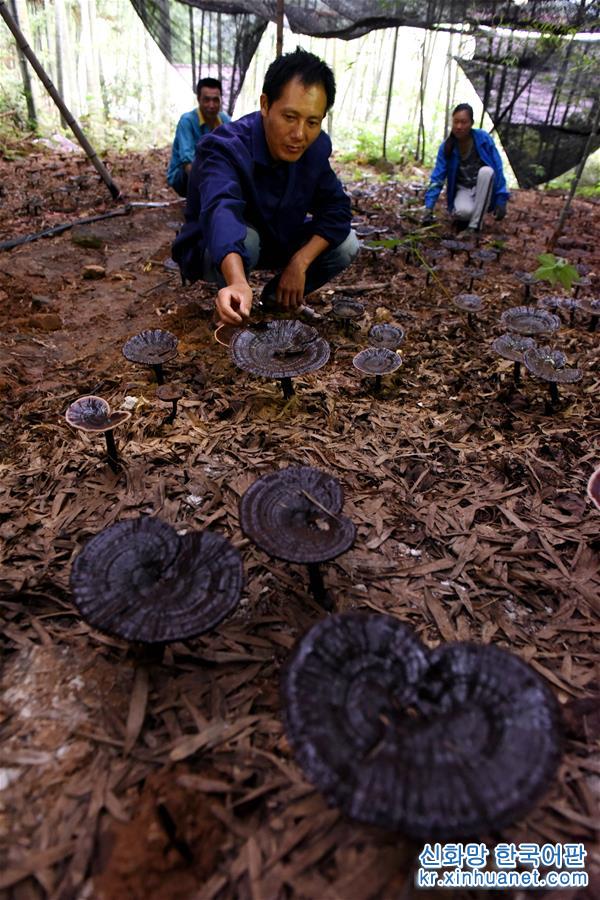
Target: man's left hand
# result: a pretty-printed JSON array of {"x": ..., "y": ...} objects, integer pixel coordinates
[{"x": 290, "y": 290}]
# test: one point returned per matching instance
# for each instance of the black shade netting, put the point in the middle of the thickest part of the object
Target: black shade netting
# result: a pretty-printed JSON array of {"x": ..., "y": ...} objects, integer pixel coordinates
[{"x": 542, "y": 95}]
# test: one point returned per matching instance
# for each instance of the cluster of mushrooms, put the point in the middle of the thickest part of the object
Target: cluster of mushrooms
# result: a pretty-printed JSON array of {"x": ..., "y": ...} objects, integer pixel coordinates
[{"x": 437, "y": 744}]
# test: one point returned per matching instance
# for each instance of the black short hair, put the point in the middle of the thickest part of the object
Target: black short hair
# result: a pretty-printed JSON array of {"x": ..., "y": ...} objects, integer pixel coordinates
[
  {"x": 464, "y": 107},
  {"x": 209, "y": 83},
  {"x": 299, "y": 64}
]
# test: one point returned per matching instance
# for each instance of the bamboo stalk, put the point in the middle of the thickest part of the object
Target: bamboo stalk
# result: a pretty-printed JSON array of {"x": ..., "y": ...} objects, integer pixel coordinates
[
  {"x": 65, "y": 113},
  {"x": 389, "y": 95}
]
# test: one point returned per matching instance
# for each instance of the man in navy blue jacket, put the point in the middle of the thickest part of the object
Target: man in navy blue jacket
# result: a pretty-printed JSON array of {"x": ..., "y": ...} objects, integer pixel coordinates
[{"x": 263, "y": 194}]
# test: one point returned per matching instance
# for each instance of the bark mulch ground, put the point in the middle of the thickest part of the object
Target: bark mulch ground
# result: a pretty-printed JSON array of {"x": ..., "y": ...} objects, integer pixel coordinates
[{"x": 126, "y": 779}]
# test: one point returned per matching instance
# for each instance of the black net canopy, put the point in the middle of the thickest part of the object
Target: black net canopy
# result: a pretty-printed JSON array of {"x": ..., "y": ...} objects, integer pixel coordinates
[{"x": 539, "y": 83}]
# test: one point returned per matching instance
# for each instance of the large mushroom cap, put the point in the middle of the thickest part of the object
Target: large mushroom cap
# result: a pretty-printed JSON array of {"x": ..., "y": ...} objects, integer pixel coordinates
[
  {"x": 512, "y": 346},
  {"x": 142, "y": 581},
  {"x": 284, "y": 349},
  {"x": 593, "y": 488},
  {"x": 529, "y": 320},
  {"x": 454, "y": 246},
  {"x": 590, "y": 305},
  {"x": 558, "y": 302},
  {"x": 386, "y": 335},
  {"x": 151, "y": 348},
  {"x": 440, "y": 745},
  {"x": 346, "y": 308},
  {"x": 294, "y": 515},
  {"x": 468, "y": 302},
  {"x": 169, "y": 392},
  {"x": 549, "y": 364},
  {"x": 377, "y": 361},
  {"x": 93, "y": 413}
]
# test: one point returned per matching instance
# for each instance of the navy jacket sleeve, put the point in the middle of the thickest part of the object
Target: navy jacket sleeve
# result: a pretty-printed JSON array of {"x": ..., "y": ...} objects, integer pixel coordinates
[{"x": 438, "y": 177}]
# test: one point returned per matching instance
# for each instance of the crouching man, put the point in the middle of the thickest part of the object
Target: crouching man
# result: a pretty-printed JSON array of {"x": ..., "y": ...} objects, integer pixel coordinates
[{"x": 262, "y": 194}]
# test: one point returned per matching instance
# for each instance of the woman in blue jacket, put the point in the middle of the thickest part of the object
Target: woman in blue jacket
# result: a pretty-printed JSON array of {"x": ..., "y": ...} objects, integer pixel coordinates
[{"x": 469, "y": 162}]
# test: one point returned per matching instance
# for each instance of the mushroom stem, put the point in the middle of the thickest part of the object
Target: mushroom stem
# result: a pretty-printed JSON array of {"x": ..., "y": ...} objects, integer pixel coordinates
[
  {"x": 593, "y": 323},
  {"x": 377, "y": 383},
  {"x": 553, "y": 392},
  {"x": 111, "y": 451},
  {"x": 471, "y": 280},
  {"x": 470, "y": 320},
  {"x": 517, "y": 373},
  {"x": 527, "y": 292},
  {"x": 171, "y": 417},
  {"x": 287, "y": 387},
  {"x": 317, "y": 587},
  {"x": 158, "y": 371}
]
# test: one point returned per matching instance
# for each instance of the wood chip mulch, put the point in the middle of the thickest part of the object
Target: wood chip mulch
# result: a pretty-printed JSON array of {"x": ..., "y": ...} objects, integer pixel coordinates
[{"x": 125, "y": 779}]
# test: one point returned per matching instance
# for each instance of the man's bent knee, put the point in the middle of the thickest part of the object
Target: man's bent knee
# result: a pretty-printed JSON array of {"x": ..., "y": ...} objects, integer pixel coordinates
[{"x": 346, "y": 252}]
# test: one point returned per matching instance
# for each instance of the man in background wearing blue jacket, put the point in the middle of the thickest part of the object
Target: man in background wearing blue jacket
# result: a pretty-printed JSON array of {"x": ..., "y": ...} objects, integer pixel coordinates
[
  {"x": 192, "y": 127},
  {"x": 262, "y": 194},
  {"x": 469, "y": 161}
]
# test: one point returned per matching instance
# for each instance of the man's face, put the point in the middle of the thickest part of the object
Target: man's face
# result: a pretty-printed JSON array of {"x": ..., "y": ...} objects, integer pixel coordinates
[
  {"x": 293, "y": 121},
  {"x": 461, "y": 124},
  {"x": 209, "y": 101}
]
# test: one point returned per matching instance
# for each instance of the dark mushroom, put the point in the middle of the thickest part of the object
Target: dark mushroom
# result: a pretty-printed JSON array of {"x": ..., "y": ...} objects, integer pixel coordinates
[
  {"x": 593, "y": 488},
  {"x": 142, "y": 581},
  {"x": 473, "y": 275},
  {"x": 529, "y": 321},
  {"x": 592, "y": 306},
  {"x": 153, "y": 348},
  {"x": 386, "y": 335},
  {"x": 441, "y": 744},
  {"x": 512, "y": 346},
  {"x": 347, "y": 310},
  {"x": 92, "y": 414},
  {"x": 169, "y": 393},
  {"x": 455, "y": 246},
  {"x": 484, "y": 255},
  {"x": 583, "y": 282},
  {"x": 377, "y": 361},
  {"x": 469, "y": 303},
  {"x": 557, "y": 302},
  {"x": 294, "y": 515},
  {"x": 549, "y": 364},
  {"x": 281, "y": 350},
  {"x": 527, "y": 279}
]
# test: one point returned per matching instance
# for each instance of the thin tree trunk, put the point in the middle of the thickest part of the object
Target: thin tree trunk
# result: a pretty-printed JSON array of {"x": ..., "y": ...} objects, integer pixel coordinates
[
  {"x": 75, "y": 128},
  {"x": 219, "y": 49},
  {"x": 201, "y": 52},
  {"x": 389, "y": 95},
  {"x": 59, "y": 51},
  {"x": 279, "y": 46},
  {"x": 576, "y": 178},
  {"x": 192, "y": 46},
  {"x": 448, "y": 83},
  {"x": 31, "y": 116}
]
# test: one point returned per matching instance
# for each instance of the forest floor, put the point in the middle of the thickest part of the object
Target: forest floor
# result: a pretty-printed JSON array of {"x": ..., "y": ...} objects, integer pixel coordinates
[{"x": 468, "y": 495}]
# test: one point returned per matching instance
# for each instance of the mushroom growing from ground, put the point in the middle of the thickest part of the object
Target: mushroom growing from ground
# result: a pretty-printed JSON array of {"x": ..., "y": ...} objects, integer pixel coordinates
[
  {"x": 442, "y": 744},
  {"x": 92, "y": 414},
  {"x": 527, "y": 279},
  {"x": 592, "y": 306},
  {"x": 153, "y": 347},
  {"x": 512, "y": 346},
  {"x": 347, "y": 310},
  {"x": 473, "y": 275},
  {"x": 549, "y": 364},
  {"x": 279, "y": 350},
  {"x": 455, "y": 246},
  {"x": 529, "y": 321},
  {"x": 142, "y": 581},
  {"x": 377, "y": 361},
  {"x": 558, "y": 302},
  {"x": 386, "y": 335},
  {"x": 469, "y": 303},
  {"x": 484, "y": 255},
  {"x": 169, "y": 393},
  {"x": 295, "y": 515},
  {"x": 593, "y": 488}
]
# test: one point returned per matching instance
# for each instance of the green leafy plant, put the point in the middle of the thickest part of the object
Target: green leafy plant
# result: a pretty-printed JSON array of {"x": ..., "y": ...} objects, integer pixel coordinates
[{"x": 556, "y": 269}]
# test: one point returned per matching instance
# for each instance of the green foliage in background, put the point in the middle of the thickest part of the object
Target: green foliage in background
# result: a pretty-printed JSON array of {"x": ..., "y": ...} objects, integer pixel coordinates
[{"x": 556, "y": 270}]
